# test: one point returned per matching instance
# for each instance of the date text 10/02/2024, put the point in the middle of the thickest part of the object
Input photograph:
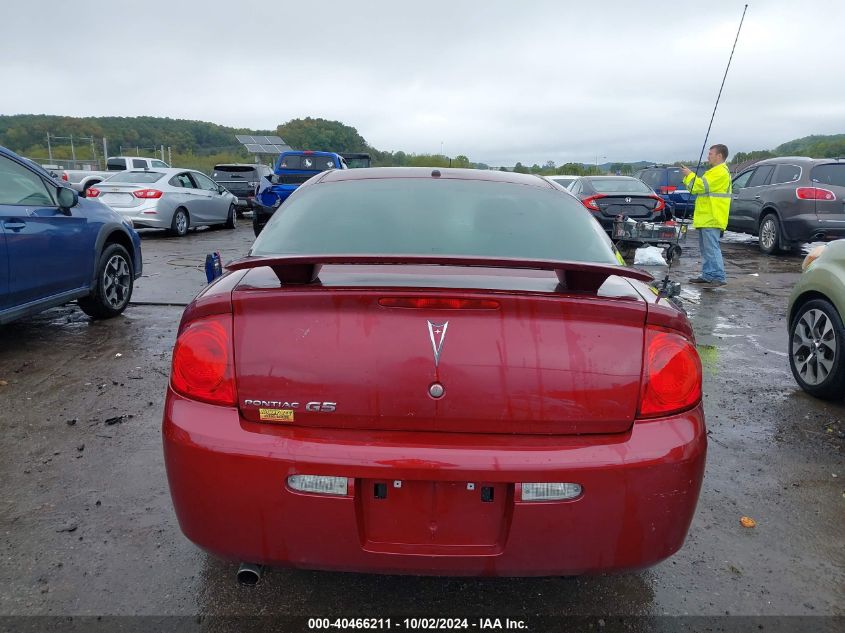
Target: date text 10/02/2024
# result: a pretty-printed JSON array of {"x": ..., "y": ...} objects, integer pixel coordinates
[{"x": 417, "y": 623}]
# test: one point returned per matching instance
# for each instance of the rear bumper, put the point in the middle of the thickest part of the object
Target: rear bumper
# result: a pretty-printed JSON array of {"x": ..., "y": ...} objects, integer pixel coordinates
[
  {"x": 809, "y": 228},
  {"x": 244, "y": 201},
  {"x": 228, "y": 484},
  {"x": 145, "y": 216}
]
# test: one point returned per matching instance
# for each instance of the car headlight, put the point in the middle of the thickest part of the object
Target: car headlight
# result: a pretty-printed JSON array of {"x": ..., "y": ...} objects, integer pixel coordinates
[{"x": 812, "y": 256}]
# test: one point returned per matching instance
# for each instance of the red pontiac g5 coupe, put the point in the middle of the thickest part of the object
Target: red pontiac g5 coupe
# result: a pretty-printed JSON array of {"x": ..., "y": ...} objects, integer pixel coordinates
[{"x": 434, "y": 372}]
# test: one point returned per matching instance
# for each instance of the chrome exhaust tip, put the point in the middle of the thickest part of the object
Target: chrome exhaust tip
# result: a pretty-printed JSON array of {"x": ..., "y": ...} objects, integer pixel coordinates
[{"x": 249, "y": 574}]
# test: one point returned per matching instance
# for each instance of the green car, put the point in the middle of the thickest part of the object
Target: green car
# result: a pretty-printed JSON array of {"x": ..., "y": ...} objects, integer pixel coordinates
[{"x": 816, "y": 333}]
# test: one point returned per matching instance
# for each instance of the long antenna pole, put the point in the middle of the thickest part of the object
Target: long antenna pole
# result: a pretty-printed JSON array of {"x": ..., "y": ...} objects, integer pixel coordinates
[
  {"x": 730, "y": 59},
  {"x": 706, "y": 136}
]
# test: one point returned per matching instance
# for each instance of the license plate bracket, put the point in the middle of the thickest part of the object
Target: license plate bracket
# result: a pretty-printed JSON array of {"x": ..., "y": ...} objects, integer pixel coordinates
[{"x": 434, "y": 516}]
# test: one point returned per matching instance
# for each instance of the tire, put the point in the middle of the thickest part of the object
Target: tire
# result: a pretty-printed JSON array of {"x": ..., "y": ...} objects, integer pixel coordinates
[
  {"x": 231, "y": 222},
  {"x": 673, "y": 252},
  {"x": 817, "y": 350},
  {"x": 113, "y": 288},
  {"x": 180, "y": 223},
  {"x": 770, "y": 235}
]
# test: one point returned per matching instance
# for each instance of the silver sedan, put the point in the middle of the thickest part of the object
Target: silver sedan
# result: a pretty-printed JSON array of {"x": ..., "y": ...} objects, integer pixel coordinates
[{"x": 173, "y": 199}]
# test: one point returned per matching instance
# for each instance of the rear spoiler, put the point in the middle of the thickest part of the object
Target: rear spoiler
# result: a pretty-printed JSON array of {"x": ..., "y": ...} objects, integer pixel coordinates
[{"x": 304, "y": 269}]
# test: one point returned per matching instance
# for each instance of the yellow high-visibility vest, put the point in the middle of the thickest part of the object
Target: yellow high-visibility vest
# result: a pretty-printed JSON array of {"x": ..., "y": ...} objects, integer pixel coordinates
[{"x": 713, "y": 197}]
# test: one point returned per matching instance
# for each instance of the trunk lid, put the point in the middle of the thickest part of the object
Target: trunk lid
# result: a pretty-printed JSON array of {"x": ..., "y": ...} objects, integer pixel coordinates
[
  {"x": 629, "y": 205},
  {"x": 540, "y": 362},
  {"x": 120, "y": 196}
]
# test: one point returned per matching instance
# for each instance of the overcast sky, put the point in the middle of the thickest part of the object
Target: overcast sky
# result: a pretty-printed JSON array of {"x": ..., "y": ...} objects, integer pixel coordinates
[{"x": 498, "y": 81}]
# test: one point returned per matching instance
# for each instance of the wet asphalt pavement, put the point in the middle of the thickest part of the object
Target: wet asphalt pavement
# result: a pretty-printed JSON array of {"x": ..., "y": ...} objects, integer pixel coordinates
[{"x": 87, "y": 528}]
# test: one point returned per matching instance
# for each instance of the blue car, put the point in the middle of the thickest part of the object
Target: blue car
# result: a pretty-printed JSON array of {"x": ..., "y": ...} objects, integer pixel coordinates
[
  {"x": 669, "y": 185},
  {"x": 291, "y": 170},
  {"x": 56, "y": 247}
]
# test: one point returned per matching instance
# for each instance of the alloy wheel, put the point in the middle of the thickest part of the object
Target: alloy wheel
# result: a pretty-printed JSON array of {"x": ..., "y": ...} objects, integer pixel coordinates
[
  {"x": 768, "y": 234},
  {"x": 814, "y": 346},
  {"x": 116, "y": 281}
]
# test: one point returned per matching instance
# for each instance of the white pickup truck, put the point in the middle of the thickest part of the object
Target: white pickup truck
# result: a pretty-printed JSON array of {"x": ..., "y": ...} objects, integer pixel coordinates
[{"x": 81, "y": 179}]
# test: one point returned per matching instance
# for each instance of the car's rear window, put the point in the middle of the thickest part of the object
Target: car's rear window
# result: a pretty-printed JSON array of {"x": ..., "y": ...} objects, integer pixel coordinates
[
  {"x": 832, "y": 174},
  {"x": 309, "y": 161},
  {"x": 652, "y": 177},
  {"x": 563, "y": 182},
  {"x": 675, "y": 178},
  {"x": 140, "y": 177},
  {"x": 420, "y": 216},
  {"x": 619, "y": 185},
  {"x": 233, "y": 171}
]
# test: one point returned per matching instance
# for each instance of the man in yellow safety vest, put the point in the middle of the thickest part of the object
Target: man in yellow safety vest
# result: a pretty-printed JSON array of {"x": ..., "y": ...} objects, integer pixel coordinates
[{"x": 712, "y": 205}]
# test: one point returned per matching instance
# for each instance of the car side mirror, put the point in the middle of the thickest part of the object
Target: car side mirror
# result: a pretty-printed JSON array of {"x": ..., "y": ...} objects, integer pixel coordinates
[
  {"x": 221, "y": 189},
  {"x": 67, "y": 198}
]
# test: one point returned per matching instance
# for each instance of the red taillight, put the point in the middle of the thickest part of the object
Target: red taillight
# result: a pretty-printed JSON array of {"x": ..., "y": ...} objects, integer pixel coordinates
[
  {"x": 431, "y": 303},
  {"x": 64, "y": 176},
  {"x": 814, "y": 193},
  {"x": 591, "y": 203},
  {"x": 667, "y": 189},
  {"x": 203, "y": 366},
  {"x": 671, "y": 374},
  {"x": 147, "y": 193},
  {"x": 661, "y": 204},
  {"x": 91, "y": 192}
]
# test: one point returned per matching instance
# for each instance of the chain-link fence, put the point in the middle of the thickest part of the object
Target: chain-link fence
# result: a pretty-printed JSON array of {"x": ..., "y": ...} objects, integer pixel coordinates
[{"x": 84, "y": 164}]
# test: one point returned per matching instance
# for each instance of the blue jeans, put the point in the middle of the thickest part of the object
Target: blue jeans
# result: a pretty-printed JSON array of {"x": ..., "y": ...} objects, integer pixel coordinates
[{"x": 712, "y": 267}]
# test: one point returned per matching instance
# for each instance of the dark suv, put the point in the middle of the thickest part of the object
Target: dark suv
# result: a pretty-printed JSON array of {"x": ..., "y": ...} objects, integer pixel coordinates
[
  {"x": 790, "y": 200},
  {"x": 242, "y": 180},
  {"x": 667, "y": 182}
]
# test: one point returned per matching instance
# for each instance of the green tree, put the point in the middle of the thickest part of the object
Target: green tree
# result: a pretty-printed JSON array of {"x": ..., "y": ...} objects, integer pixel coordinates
[{"x": 322, "y": 135}]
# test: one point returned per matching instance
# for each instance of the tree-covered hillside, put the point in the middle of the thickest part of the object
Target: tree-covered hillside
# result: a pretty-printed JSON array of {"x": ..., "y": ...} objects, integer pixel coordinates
[
  {"x": 200, "y": 145},
  {"x": 815, "y": 146}
]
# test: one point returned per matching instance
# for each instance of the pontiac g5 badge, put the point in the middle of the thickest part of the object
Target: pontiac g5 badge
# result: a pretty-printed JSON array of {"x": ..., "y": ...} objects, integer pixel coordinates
[{"x": 437, "y": 334}]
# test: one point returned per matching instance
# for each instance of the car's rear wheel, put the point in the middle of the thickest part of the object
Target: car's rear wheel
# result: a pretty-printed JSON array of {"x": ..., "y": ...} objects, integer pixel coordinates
[
  {"x": 770, "y": 234},
  {"x": 114, "y": 284},
  {"x": 817, "y": 349},
  {"x": 180, "y": 223},
  {"x": 231, "y": 222}
]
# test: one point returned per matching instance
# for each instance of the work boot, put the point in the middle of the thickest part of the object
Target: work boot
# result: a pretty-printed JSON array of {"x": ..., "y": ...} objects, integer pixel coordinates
[{"x": 699, "y": 280}]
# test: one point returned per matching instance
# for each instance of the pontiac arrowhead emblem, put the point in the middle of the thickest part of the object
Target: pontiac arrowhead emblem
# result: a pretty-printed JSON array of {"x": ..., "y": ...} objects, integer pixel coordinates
[{"x": 437, "y": 334}]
